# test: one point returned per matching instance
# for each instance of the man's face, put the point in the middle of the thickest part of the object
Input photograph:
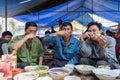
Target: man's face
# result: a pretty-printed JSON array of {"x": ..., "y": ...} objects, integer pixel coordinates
[
  {"x": 31, "y": 30},
  {"x": 94, "y": 29},
  {"x": 68, "y": 30},
  {"x": 60, "y": 25},
  {"x": 7, "y": 37}
]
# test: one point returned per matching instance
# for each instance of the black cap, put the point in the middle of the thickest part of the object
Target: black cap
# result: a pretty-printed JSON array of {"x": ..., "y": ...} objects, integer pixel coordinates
[{"x": 60, "y": 21}]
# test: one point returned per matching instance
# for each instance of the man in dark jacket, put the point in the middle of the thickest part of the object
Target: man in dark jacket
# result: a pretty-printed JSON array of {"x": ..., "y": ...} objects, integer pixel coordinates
[{"x": 6, "y": 37}]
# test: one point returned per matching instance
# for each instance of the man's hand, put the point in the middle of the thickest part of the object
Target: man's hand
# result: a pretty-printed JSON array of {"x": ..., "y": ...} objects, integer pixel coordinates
[
  {"x": 101, "y": 40},
  {"x": 97, "y": 37},
  {"x": 14, "y": 52},
  {"x": 30, "y": 36},
  {"x": 86, "y": 35},
  {"x": 40, "y": 60},
  {"x": 19, "y": 43},
  {"x": 62, "y": 33}
]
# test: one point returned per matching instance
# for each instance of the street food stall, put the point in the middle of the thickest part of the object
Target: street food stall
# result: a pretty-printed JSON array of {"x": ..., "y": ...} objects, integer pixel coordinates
[{"x": 69, "y": 71}]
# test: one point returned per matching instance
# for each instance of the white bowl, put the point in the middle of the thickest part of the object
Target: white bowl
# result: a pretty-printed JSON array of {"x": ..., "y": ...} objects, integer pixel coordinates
[
  {"x": 117, "y": 71},
  {"x": 72, "y": 78},
  {"x": 70, "y": 67},
  {"x": 40, "y": 69},
  {"x": 84, "y": 69},
  {"x": 26, "y": 76},
  {"x": 34, "y": 68},
  {"x": 58, "y": 73},
  {"x": 105, "y": 74},
  {"x": 104, "y": 66},
  {"x": 44, "y": 78},
  {"x": 1, "y": 74}
]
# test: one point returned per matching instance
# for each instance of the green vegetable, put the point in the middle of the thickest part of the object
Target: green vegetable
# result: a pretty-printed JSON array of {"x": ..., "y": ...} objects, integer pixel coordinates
[{"x": 40, "y": 70}]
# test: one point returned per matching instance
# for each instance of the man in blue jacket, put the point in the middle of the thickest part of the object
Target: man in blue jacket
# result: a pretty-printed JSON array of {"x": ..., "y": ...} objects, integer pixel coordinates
[{"x": 67, "y": 48}]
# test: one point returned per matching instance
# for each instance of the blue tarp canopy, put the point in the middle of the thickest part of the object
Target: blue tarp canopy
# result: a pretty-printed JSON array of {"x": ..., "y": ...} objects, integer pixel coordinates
[
  {"x": 86, "y": 18},
  {"x": 49, "y": 17},
  {"x": 20, "y": 7},
  {"x": 66, "y": 10}
]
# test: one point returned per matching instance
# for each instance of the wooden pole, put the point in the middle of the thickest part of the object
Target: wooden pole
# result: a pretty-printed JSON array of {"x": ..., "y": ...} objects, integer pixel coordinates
[{"x": 5, "y": 15}]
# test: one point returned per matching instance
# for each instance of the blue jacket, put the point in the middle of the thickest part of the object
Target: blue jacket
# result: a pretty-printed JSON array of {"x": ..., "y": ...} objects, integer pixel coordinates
[{"x": 69, "y": 52}]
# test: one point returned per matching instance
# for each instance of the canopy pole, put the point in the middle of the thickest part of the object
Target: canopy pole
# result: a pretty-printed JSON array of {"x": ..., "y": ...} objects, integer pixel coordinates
[{"x": 5, "y": 15}]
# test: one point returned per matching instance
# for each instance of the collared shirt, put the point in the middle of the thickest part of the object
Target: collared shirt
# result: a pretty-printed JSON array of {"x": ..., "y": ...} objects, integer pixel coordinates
[
  {"x": 3, "y": 47},
  {"x": 69, "y": 52},
  {"x": 93, "y": 51},
  {"x": 26, "y": 53}
]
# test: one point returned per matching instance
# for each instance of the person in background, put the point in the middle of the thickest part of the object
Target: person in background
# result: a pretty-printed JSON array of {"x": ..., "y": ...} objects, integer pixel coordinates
[
  {"x": 117, "y": 37},
  {"x": 67, "y": 48},
  {"x": 60, "y": 22},
  {"x": 6, "y": 37},
  {"x": 96, "y": 48},
  {"x": 28, "y": 47},
  {"x": 117, "y": 34},
  {"x": 46, "y": 47},
  {"x": 110, "y": 33},
  {"x": 47, "y": 32},
  {"x": 52, "y": 30}
]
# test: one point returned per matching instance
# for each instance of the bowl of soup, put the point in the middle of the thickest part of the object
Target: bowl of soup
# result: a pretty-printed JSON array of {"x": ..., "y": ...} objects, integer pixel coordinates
[
  {"x": 40, "y": 69},
  {"x": 58, "y": 73},
  {"x": 84, "y": 69}
]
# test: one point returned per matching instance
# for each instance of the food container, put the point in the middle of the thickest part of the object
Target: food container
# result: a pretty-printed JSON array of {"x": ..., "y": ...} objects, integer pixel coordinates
[
  {"x": 40, "y": 69},
  {"x": 72, "y": 78},
  {"x": 58, "y": 73},
  {"x": 70, "y": 67},
  {"x": 84, "y": 69},
  {"x": 6, "y": 69},
  {"x": 104, "y": 66},
  {"x": 117, "y": 71},
  {"x": 26, "y": 76},
  {"x": 105, "y": 74},
  {"x": 44, "y": 78}
]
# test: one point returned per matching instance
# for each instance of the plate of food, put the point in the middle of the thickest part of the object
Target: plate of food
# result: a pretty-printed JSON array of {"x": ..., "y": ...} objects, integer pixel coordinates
[
  {"x": 117, "y": 71},
  {"x": 26, "y": 76},
  {"x": 44, "y": 78},
  {"x": 84, "y": 69},
  {"x": 58, "y": 73},
  {"x": 105, "y": 74},
  {"x": 40, "y": 69},
  {"x": 72, "y": 78},
  {"x": 36, "y": 68}
]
